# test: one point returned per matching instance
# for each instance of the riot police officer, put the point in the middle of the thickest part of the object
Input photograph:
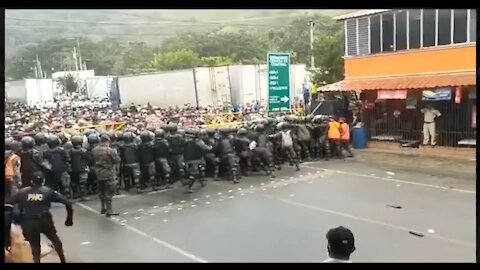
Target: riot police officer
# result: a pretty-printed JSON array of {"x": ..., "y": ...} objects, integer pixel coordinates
[
  {"x": 31, "y": 160},
  {"x": 79, "y": 165},
  {"x": 287, "y": 144},
  {"x": 261, "y": 150},
  {"x": 162, "y": 153},
  {"x": 35, "y": 202},
  {"x": 226, "y": 154},
  {"x": 194, "y": 153},
  {"x": 177, "y": 141},
  {"x": 60, "y": 165},
  {"x": 211, "y": 159},
  {"x": 242, "y": 148},
  {"x": 92, "y": 141},
  {"x": 105, "y": 160},
  {"x": 146, "y": 153},
  {"x": 131, "y": 166},
  {"x": 41, "y": 142}
]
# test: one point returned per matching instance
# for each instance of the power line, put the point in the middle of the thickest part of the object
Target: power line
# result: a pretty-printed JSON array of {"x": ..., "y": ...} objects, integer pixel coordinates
[
  {"x": 99, "y": 34},
  {"x": 169, "y": 23}
]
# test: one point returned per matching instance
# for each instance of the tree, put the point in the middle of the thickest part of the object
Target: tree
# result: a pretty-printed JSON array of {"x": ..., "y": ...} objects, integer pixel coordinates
[
  {"x": 180, "y": 59},
  {"x": 296, "y": 36},
  {"x": 328, "y": 51},
  {"x": 68, "y": 84},
  {"x": 216, "y": 61}
]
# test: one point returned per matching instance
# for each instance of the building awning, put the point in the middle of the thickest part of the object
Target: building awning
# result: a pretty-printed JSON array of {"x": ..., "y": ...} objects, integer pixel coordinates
[
  {"x": 360, "y": 13},
  {"x": 403, "y": 82}
]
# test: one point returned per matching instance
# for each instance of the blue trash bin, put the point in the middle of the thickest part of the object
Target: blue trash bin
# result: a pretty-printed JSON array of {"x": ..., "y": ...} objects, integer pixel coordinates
[{"x": 359, "y": 138}]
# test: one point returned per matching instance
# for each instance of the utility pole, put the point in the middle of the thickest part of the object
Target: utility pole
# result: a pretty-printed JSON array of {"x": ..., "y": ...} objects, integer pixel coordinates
[
  {"x": 75, "y": 58},
  {"x": 312, "y": 58},
  {"x": 79, "y": 55},
  {"x": 39, "y": 68}
]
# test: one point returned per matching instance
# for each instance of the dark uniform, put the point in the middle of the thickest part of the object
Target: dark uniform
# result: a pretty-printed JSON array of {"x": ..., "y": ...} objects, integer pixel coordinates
[
  {"x": 162, "y": 153},
  {"x": 261, "y": 151},
  {"x": 41, "y": 143},
  {"x": 146, "y": 154},
  {"x": 105, "y": 160},
  {"x": 242, "y": 144},
  {"x": 304, "y": 137},
  {"x": 131, "y": 166},
  {"x": 177, "y": 143},
  {"x": 31, "y": 160},
  {"x": 34, "y": 203},
  {"x": 79, "y": 166},
  {"x": 58, "y": 177},
  {"x": 226, "y": 154},
  {"x": 194, "y": 153},
  {"x": 212, "y": 162}
]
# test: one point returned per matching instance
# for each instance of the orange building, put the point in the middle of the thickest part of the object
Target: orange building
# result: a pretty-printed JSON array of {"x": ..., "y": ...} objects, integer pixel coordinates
[{"x": 404, "y": 60}]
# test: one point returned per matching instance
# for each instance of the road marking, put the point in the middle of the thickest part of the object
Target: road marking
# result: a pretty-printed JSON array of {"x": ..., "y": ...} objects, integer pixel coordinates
[
  {"x": 395, "y": 180},
  {"x": 85, "y": 243},
  {"x": 371, "y": 221},
  {"x": 144, "y": 234}
]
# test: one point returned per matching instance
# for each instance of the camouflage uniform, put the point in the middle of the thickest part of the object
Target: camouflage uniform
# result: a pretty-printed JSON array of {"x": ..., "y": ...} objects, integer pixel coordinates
[{"x": 105, "y": 160}]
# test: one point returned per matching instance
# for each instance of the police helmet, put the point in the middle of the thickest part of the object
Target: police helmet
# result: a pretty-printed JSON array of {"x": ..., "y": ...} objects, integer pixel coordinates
[
  {"x": 145, "y": 136},
  {"x": 68, "y": 146},
  {"x": 260, "y": 127},
  {"x": 27, "y": 142},
  {"x": 77, "y": 140},
  {"x": 128, "y": 136},
  {"x": 210, "y": 131},
  {"x": 40, "y": 138},
  {"x": 93, "y": 139},
  {"x": 104, "y": 137},
  {"x": 53, "y": 141},
  {"x": 159, "y": 133},
  {"x": 9, "y": 143},
  {"x": 88, "y": 132},
  {"x": 173, "y": 128},
  {"x": 242, "y": 132}
]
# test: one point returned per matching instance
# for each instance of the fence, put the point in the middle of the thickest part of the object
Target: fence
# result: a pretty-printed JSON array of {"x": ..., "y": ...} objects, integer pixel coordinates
[{"x": 390, "y": 120}]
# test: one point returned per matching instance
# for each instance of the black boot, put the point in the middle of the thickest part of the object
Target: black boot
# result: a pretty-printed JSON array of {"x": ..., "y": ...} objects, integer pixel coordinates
[
  {"x": 109, "y": 210},
  {"x": 103, "y": 206}
]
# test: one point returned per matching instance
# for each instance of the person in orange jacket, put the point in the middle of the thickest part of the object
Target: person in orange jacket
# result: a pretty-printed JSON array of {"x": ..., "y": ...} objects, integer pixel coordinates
[
  {"x": 333, "y": 136},
  {"x": 344, "y": 137}
]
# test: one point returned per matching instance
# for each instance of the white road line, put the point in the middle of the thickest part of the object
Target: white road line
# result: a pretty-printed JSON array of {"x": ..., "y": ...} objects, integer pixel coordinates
[
  {"x": 372, "y": 221},
  {"x": 395, "y": 180},
  {"x": 144, "y": 234}
]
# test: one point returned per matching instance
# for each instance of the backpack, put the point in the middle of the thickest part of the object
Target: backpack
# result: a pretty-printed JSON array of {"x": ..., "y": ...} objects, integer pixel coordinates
[{"x": 286, "y": 139}]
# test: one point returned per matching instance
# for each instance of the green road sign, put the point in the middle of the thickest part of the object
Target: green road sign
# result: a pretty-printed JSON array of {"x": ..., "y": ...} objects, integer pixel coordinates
[{"x": 278, "y": 81}]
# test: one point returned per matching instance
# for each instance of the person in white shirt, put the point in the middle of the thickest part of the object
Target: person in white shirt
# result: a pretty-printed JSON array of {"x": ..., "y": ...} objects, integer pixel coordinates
[
  {"x": 429, "y": 131},
  {"x": 341, "y": 244}
]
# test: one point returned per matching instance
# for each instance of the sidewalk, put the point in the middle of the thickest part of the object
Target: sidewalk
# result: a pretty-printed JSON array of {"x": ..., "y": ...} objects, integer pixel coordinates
[
  {"x": 460, "y": 167},
  {"x": 458, "y": 153}
]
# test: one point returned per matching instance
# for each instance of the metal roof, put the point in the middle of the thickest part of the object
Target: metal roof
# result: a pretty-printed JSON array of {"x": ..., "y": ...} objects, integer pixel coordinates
[{"x": 360, "y": 13}]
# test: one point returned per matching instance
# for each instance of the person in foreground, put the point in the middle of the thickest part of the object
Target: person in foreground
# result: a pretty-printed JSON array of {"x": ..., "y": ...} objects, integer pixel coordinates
[
  {"x": 34, "y": 203},
  {"x": 341, "y": 244}
]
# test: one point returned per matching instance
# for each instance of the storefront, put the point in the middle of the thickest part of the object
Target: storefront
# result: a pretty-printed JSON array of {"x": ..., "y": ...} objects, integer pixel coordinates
[{"x": 396, "y": 114}]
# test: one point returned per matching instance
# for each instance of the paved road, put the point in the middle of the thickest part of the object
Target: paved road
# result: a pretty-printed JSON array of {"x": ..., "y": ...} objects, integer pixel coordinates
[{"x": 285, "y": 219}]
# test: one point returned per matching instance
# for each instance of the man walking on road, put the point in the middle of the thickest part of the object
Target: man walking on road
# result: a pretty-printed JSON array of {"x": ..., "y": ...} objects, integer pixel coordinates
[{"x": 429, "y": 131}]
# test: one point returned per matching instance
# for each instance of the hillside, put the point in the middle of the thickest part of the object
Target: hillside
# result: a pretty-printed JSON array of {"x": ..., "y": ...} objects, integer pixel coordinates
[{"x": 26, "y": 27}]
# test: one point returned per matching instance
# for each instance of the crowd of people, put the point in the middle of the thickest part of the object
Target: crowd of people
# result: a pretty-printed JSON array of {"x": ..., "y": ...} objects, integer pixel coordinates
[{"x": 73, "y": 148}]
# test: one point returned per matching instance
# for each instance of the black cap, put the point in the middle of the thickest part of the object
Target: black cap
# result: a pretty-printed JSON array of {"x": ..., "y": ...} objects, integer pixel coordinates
[{"x": 341, "y": 241}]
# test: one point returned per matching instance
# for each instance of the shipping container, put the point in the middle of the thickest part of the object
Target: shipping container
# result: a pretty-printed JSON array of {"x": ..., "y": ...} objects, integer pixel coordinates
[
  {"x": 99, "y": 86},
  {"x": 159, "y": 89}
]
